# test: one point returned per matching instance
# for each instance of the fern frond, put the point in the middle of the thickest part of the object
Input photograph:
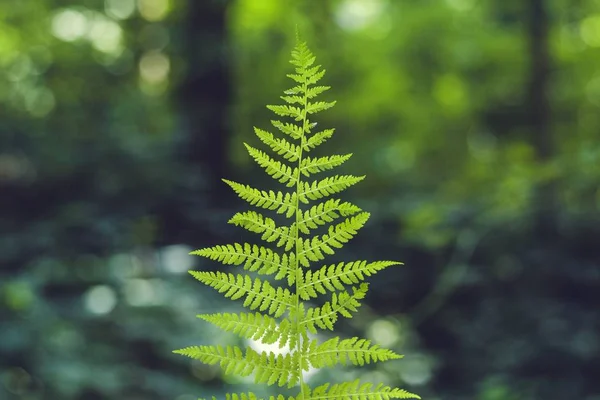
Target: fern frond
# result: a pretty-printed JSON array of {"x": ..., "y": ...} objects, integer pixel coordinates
[
  {"x": 317, "y": 139},
  {"x": 325, "y": 212},
  {"x": 310, "y": 166},
  {"x": 278, "y": 170},
  {"x": 258, "y": 223},
  {"x": 334, "y": 277},
  {"x": 348, "y": 351},
  {"x": 277, "y": 201},
  {"x": 254, "y": 326},
  {"x": 267, "y": 367},
  {"x": 255, "y": 258},
  {"x": 259, "y": 294},
  {"x": 281, "y": 314},
  {"x": 356, "y": 390},
  {"x": 327, "y": 187},
  {"x": 313, "y": 249},
  {"x": 287, "y": 150},
  {"x": 341, "y": 303}
]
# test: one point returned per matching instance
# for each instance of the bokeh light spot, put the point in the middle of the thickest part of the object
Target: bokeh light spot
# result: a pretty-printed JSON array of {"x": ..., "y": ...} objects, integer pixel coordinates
[
  {"x": 176, "y": 259},
  {"x": 592, "y": 91},
  {"x": 144, "y": 292},
  {"x": 119, "y": 9},
  {"x": 106, "y": 35},
  {"x": 100, "y": 299},
  {"x": 416, "y": 370},
  {"x": 590, "y": 31},
  {"x": 18, "y": 295},
  {"x": 399, "y": 156},
  {"x": 40, "y": 102},
  {"x": 69, "y": 25},
  {"x": 154, "y": 67},
  {"x": 20, "y": 68},
  {"x": 461, "y": 5},
  {"x": 154, "y": 10},
  {"x": 383, "y": 332},
  {"x": 449, "y": 91},
  {"x": 482, "y": 145},
  {"x": 353, "y": 15}
]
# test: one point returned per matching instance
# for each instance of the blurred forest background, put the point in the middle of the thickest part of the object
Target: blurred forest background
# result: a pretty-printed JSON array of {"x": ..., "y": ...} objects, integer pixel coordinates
[{"x": 477, "y": 123}]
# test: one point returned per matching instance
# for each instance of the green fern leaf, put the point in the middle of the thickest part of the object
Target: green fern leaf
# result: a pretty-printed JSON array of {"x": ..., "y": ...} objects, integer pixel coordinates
[
  {"x": 255, "y": 222},
  {"x": 310, "y": 166},
  {"x": 281, "y": 314},
  {"x": 282, "y": 203},
  {"x": 326, "y": 187},
  {"x": 313, "y": 249},
  {"x": 316, "y": 90},
  {"x": 252, "y": 396},
  {"x": 334, "y": 277},
  {"x": 295, "y": 131},
  {"x": 348, "y": 351},
  {"x": 325, "y": 316},
  {"x": 356, "y": 390},
  {"x": 282, "y": 147},
  {"x": 259, "y": 294},
  {"x": 288, "y": 111},
  {"x": 255, "y": 258},
  {"x": 240, "y": 396},
  {"x": 324, "y": 213},
  {"x": 267, "y": 367},
  {"x": 254, "y": 326},
  {"x": 313, "y": 108},
  {"x": 317, "y": 139},
  {"x": 283, "y": 173}
]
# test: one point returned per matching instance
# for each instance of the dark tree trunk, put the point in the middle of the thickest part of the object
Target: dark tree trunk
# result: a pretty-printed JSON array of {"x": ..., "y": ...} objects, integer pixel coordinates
[
  {"x": 203, "y": 97},
  {"x": 205, "y": 93},
  {"x": 539, "y": 109}
]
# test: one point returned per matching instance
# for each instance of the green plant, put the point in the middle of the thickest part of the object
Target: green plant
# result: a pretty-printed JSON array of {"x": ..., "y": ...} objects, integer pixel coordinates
[{"x": 282, "y": 314}]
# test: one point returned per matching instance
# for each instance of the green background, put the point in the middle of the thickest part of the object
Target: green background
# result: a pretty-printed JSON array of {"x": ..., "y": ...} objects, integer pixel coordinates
[{"x": 477, "y": 123}]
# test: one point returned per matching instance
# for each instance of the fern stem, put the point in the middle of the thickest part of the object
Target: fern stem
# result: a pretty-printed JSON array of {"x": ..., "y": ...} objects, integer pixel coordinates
[{"x": 297, "y": 266}]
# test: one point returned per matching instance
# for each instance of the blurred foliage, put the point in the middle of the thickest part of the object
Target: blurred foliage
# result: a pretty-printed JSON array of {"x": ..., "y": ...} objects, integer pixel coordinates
[{"x": 109, "y": 115}]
